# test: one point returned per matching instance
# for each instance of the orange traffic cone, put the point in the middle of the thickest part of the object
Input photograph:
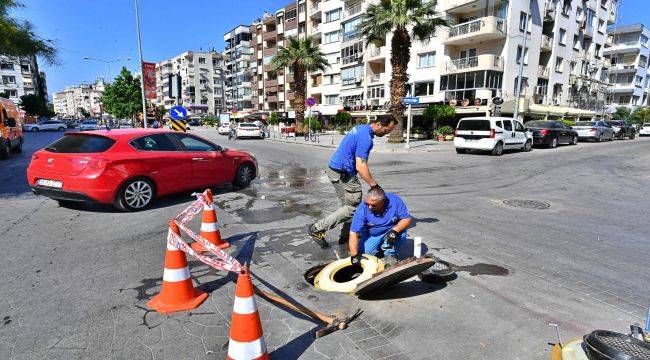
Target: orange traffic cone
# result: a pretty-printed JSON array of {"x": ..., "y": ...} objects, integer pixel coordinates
[
  {"x": 246, "y": 337},
  {"x": 210, "y": 226},
  {"x": 177, "y": 293}
]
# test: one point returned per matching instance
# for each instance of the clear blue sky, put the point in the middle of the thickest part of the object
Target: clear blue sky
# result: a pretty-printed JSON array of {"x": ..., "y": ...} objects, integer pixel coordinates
[{"x": 105, "y": 29}]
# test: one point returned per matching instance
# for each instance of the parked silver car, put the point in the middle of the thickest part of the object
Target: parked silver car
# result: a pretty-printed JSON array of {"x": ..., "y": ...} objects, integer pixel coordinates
[{"x": 594, "y": 130}]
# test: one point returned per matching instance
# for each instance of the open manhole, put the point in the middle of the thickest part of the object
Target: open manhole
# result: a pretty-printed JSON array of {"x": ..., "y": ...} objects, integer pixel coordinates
[
  {"x": 346, "y": 274},
  {"x": 527, "y": 204}
]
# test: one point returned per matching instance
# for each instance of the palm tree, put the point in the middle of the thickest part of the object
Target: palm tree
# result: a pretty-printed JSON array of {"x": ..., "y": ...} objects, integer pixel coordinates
[
  {"x": 397, "y": 16},
  {"x": 302, "y": 56}
]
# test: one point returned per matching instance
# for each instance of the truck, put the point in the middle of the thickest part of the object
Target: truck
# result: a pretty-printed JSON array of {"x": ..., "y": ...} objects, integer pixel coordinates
[{"x": 11, "y": 129}]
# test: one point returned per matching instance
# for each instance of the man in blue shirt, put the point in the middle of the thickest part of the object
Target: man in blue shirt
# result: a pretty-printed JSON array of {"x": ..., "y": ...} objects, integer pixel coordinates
[
  {"x": 379, "y": 225},
  {"x": 346, "y": 165}
]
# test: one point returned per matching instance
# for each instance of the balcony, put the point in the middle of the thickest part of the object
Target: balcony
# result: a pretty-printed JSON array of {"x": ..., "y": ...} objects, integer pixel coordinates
[
  {"x": 462, "y": 6},
  {"x": 352, "y": 10},
  {"x": 549, "y": 10},
  {"x": 623, "y": 68},
  {"x": 316, "y": 32},
  {"x": 268, "y": 35},
  {"x": 482, "y": 29},
  {"x": 611, "y": 18},
  {"x": 376, "y": 78},
  {"x": 624, "y": 47},
  {"x": 480, "y": 62},
  {"x": 374, "y": 53},
  {"x": 315, "y": 12},
  {"x": 547, "y": 43},
  {"x": 271, "y": 82},
  {"x": 543, "y": 72}
]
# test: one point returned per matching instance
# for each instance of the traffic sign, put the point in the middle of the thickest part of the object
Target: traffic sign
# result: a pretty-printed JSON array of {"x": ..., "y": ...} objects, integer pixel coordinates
[
  {"x": 310, "y": 102},
  {"x": 410, "y": 100},
  {"x": 178, "y": 125},
  {"x": 178, "y": 112}
]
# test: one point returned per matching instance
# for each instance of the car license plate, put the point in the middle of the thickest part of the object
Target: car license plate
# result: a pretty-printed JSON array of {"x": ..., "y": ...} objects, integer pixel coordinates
[
  {"x": 472, "y": 140},
  {"x": 49, "y": 183}
]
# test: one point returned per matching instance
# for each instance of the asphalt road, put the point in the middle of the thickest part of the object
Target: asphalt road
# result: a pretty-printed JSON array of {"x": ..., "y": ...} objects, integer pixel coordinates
[{"x": 75, "y": 281}]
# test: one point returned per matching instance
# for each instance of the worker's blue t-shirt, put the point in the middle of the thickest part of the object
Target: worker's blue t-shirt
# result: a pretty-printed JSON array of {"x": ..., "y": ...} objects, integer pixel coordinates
[
  {"x": 357, "y": 143},
  {"x": 365, "y": 220}
]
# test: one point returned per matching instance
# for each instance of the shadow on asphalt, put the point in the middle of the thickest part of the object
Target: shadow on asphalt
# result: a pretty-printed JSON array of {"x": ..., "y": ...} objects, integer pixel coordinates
[
  {"x": 404, "y": 290},
  {"x": 294, "y": 348}
]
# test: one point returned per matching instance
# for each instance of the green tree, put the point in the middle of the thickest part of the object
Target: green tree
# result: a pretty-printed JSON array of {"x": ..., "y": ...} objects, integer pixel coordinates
[
  {"x": 397, "y": 17},
  {"x": 274, "y": 119},
  {"x": 438, "y": 113},
  {"x": 302, "y": 56},
  {"x": 123, "y": 98},
  {"x": 640, "y": 115},
  {"x": 621, "y": 113},
  {"x": 342, "y": 118},
  {"x": 34, "y": 105},
  {"x": 211, "y": 120},
  {"x": 17, "y": 38}
]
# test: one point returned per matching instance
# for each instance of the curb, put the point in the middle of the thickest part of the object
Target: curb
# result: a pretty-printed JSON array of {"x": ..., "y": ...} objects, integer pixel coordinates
[{"x": 301, "y": 143}]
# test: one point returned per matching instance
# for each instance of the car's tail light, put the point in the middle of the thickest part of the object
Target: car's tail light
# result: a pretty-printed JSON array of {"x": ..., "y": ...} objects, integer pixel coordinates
[
  {"x": 593, "y": 130},
  {"x": 543, "y": 132},
  {"x": 455, "y": 132},
  {"x": 493, "y": 134}
]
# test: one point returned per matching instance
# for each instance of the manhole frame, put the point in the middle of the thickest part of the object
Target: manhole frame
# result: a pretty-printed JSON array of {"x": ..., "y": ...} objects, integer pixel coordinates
[{"x": 527, "y": 204}]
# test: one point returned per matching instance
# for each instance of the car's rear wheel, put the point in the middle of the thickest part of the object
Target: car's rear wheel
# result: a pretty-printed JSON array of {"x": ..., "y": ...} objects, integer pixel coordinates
[
  {"x": 498, "y": 149},
  {"x": 600, "y": 138},
  {"x": 136, "y": 194},
  {"x": 5, "y": 149},
  {"x": 18, "y": 149},
  {"x": 574, "y": 141},
  {"x": 61, "y": 128},
  {"x": 632, "y": 136},
  {"x": 35, "y": 129},
  {"x": 244, "y": 176},
  {"x": 460, "y": 151},
  {"x": 553, "y": 143},
  {"x": 612, "y": 138}
]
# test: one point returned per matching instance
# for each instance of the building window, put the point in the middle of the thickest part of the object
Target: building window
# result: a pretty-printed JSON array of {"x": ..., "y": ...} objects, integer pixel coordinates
[
  {"x": 375, "y": 92},
  {"x": 353, "y": 53},
  {"x": 352, "y": 75},
  {"x": 576, "y": 43},
  {"x": 559, "y": 62},
  {"x": 332, "y": 99},
  {"x": 644, "y": 40},
  {"x": 333, "y": 15},
  {"x": 566, "y": 8},
  {"x": 6, "y": 66},
  {"x": 11, "y": 93},
  {"x": 601, "y": 26},
  {"x": 562, "y": 37},
  {"x": 350, "y": 31},
  {"x": 8, "y": 79},
  {"x": 330, "y": 79},
  {"x": 597, "y": 51},
  {"x": 424, "y": 88},
  {"x": 331, "y": 37},
  {"x": 201, "y": 60},
  {"x": 519, "y": 55},
  {"x": 643, "y": 61},
  {"x": 523, "y": 20},
  {"x": 578, "y": 14},
  {"x": 427, "y": 60},
  {"x": 291, "y": 14}
]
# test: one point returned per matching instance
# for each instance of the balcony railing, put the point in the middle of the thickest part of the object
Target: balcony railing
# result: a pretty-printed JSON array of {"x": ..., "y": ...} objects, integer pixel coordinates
[
  {"x": 352, "y": 10},
  {"x": 543, "y": 71},
  {"x": 485, "y": 24},
  {"x": 547, "y": 42},
  {"x": 485, "y": 61},
  {"x": 376, "y": 78}
]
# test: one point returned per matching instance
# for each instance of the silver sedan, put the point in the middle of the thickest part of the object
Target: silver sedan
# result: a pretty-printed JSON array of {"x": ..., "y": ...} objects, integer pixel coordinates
[{"x": 594, "y": 130}]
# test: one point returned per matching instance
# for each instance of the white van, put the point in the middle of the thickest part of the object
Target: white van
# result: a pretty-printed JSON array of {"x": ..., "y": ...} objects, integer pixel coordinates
[{"x": 493, "y": 134}]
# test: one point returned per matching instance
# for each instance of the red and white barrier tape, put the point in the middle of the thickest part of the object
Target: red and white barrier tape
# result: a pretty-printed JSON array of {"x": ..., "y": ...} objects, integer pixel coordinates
[{"x": 225, "y": 261}]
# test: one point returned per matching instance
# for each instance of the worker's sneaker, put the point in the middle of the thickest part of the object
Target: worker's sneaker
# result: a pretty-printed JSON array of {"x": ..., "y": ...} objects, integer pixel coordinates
[
  {"x": 318, "y": 236},
  {"x": 390, "y": 261}
]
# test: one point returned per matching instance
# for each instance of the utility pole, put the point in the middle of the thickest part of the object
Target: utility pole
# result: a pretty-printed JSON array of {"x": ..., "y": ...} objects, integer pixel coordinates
[
  {"x": 515, "y": 112},
  {"x": 144, "y": 100}
]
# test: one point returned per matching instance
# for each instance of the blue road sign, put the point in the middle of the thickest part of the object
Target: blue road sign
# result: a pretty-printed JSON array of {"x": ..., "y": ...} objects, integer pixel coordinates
[
  {"x": 410, "y": 100},
  {"x": 178, "y": 112}
]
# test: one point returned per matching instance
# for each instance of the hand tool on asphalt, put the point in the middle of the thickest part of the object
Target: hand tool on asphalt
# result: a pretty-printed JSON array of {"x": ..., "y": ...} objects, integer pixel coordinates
[{"x": 333, "y": 323}]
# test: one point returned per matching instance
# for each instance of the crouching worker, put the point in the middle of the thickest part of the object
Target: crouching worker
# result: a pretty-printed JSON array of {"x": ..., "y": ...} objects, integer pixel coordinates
[{"x": 379, "y": 227}]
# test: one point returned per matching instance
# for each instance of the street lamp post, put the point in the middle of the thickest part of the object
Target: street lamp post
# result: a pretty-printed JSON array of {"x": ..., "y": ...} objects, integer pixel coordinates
[
  {"x": 107, "y": 62},
  {"x": 144, "y": 100}
]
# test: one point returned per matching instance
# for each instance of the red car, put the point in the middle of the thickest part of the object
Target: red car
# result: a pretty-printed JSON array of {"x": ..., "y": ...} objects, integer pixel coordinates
[{"x": 130, "y": 167}]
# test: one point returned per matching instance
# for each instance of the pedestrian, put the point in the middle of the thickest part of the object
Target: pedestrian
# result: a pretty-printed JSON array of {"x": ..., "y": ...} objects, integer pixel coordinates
[
  {"x": 379, "y": 227},
  {"x": 349, "y": 160}
]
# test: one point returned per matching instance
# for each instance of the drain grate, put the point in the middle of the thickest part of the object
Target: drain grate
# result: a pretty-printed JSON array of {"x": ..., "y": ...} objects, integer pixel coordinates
[{"x": 527, "y": 204}]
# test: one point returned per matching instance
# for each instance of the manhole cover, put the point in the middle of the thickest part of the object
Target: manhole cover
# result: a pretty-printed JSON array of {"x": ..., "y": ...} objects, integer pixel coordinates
[{"x": 527, "y": 204}]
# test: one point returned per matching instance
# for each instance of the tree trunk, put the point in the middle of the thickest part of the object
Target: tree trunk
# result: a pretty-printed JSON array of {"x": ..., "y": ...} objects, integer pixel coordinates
[
  {"x": 299, "y": 94},
  {"x": 399, "y": 60}
]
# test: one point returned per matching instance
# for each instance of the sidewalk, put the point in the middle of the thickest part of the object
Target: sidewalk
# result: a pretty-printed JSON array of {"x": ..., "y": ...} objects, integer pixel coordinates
[{"x": 332, "y": 140}]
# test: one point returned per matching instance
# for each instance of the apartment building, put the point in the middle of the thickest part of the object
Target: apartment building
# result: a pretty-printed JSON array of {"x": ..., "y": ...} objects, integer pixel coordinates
[
  {"x": 240, "y": 69},
  {"x": 73, "y": 99},
  {"x": 20, "y": 76},
  {"x": 628, "y": 74},
  {"x": 193, "y": 79}
]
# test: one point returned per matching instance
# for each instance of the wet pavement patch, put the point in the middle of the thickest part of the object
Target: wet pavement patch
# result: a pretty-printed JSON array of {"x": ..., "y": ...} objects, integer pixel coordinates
[
  {"x": 482, "y": 269},
  {"x": 527, "y": 204}
]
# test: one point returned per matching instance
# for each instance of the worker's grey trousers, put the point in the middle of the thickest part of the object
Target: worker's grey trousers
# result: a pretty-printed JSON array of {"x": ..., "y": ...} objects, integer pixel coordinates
[{"x": 348, "y": 190}]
